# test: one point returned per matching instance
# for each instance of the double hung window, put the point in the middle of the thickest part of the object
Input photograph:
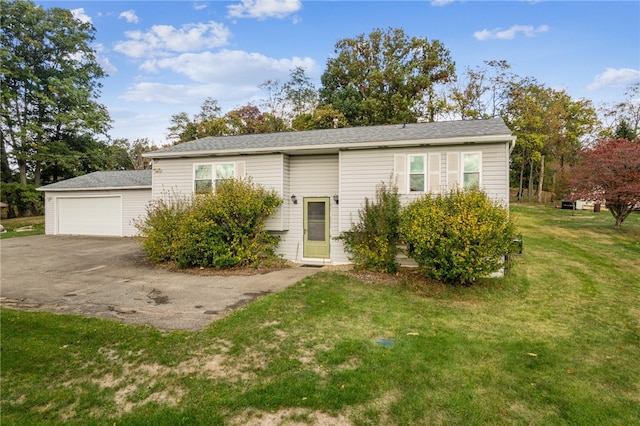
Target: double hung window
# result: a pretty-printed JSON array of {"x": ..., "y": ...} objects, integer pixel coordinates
[
  {"x": 417, "y": 173},
  {"x": 206, "y": 175},
  {"x": 471, "y": 170}
]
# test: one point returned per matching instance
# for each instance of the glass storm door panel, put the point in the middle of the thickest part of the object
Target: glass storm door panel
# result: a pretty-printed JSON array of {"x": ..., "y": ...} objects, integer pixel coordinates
[{"x": 316, "y": 228}]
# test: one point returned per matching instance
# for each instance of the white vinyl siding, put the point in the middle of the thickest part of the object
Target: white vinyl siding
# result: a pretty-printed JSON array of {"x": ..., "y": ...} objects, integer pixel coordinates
[
  {"x": 176, "y": 177},
  {"x": 453, "y": 170},
  {"x": 361, "y": 171},
  {"x": 400, "y": 172},
  {"x": 434, "y": 172},
  {"x": 311, "y": 176},
  {"x": 493, "y": 169}
]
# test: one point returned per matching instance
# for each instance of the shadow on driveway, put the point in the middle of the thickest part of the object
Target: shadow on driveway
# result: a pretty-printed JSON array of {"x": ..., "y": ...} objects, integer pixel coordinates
[{"x": 109, "y": 278}]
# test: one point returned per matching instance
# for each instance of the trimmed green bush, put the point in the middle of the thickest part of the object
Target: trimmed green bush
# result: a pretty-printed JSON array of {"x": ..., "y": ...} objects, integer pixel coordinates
[
  {"x": 372, "y": 243},
  {"x": 222, "y": 229},
  {"x": 458, "y": 237},
  {"x": 161, "y": 224}
]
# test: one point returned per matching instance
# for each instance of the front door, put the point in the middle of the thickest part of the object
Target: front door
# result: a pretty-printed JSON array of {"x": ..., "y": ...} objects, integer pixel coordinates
[{"x": 316, "y": 227}]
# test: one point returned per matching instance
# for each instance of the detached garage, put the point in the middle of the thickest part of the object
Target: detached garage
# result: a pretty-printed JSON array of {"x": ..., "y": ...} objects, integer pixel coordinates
[{"x": 99, "y": 203}]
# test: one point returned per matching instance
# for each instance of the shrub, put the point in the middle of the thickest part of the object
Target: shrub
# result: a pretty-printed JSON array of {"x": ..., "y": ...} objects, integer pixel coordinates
[
  {"x": 161, "y": 224},
  {"x": 223, "y": 229},
  {"x": 372, "y": 243},
  {"x": 227, "y": 228},
  {"x": 458, "y": 237}
]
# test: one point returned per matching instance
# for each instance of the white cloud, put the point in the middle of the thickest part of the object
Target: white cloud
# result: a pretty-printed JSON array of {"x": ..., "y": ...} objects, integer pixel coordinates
[
  {"x": 200, "y": 6},
  {"x": 103, "y": 61},
  {"x": 130, "y": 16},
  {"x": 263, "y": 9},
  {"x": 159, "y": 93},
  {"x": 441, "y": 2},
  {"x": 230, "y": 77},
  {"x": 80, "y": 15},
  {"x": 527, "y": 30},
  {"x": 612, "y": 77},
  {"x": 233, "y": 67},
  {"x": 161, "y": 39}
]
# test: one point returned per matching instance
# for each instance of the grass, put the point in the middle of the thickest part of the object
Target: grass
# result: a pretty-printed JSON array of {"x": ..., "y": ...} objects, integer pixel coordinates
[
  {"x": 37, "y": 222},
  {"x": 555, "y": 342}
]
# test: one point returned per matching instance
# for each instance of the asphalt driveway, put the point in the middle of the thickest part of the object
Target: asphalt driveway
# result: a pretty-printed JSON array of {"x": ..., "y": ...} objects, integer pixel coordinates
[{"x": 109, "y": 278}]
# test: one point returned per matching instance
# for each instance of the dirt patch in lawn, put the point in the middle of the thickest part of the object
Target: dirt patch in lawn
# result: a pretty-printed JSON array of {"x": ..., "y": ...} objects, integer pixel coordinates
[{"x": 289, "y": 417}]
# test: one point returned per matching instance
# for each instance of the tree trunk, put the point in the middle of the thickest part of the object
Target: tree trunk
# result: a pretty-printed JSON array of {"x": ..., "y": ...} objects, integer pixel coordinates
[
  {"x": 530, "y": 186},
  {"x": 618, "y": 222},
  {"x": 22, "y": 168},
  {"x": 541, "y": 180},
  {"x": 616, "y": 213},
  {"x": 521, "y": 188},
  {"x": 37, "y": 172},
  {"x": 7, "y": 175},
  {"x": 554, "y": 188},
  {"x": 620, "y": 211}
]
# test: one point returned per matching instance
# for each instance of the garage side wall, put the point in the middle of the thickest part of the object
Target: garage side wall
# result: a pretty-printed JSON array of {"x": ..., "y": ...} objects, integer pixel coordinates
[{"x": 133, "y": 204}]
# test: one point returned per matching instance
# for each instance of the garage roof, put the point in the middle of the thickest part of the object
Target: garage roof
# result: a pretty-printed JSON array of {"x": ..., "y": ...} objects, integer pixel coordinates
[
  {"x": 119, "y": 179},
  {"x": 442, "y": 132}
]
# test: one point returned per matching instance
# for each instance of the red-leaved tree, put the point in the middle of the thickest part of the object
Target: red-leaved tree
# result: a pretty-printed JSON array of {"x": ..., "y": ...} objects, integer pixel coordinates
[{"x": 610, "y": 172}]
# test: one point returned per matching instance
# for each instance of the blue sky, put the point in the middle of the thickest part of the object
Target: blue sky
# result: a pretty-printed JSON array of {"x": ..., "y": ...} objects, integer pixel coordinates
[{"x": 166, "y": 57}]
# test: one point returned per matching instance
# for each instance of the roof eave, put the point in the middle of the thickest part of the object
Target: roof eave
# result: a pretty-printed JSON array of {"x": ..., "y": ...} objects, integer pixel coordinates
[
  {"x": 459, "y": 140},
  {"x": 95, "y": 188}
]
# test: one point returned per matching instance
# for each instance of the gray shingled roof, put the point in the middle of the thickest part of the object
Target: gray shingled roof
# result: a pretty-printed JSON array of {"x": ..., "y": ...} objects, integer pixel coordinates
[
  {"x": 340, "y": 138},
  {"x": 120, "y": 179}
]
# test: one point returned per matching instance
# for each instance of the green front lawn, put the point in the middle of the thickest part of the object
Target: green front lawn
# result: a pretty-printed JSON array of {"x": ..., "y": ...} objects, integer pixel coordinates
[
  {"x": 10, "y": 225},
  {"x": 556, "y": 342}
]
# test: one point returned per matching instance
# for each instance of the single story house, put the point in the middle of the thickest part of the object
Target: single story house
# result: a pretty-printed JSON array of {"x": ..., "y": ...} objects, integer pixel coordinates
[{"x": 323, "y": 177}]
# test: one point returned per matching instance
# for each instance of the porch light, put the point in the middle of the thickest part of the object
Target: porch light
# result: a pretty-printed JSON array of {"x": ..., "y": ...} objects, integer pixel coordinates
[
  {"x": 294, "y": 199},
  {"x": 336, "y": 198}
]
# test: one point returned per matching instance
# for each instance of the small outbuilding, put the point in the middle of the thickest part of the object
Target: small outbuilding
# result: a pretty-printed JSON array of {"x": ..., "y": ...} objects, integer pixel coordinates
[{"x": 100, "y": 203}]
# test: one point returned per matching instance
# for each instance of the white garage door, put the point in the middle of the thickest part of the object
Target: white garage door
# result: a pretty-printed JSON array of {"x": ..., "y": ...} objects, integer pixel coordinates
[{"x": 90, "y": 216}]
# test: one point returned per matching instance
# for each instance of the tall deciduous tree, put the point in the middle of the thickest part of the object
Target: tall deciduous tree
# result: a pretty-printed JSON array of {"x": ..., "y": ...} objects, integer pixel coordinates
[
  {"x": 208, "y": 122},
  {"x": 482, "y": 92},
  {"x": 50, "y": 85},
  {"x": 623, "y": 118},
  {"x": 128, "y": 155},
  {"x": 550, "y": 126},
  {"x": 283, "y": 103},
  {"x": 323, "y": 117},
  {"x": 300, "y": 93},
  {"x": 610, "y": 172},
  {"x": 246, "y": 120},
  {"x": 382, "y": 78}
]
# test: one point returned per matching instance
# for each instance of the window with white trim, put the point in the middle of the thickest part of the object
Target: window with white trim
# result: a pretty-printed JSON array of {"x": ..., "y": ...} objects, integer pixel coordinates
[
  {"x": 471, "y": 169},
  {"x": 205, "y": 175},
  {"x": 225, "y": 171},
  {"x": 417, "y": 173}
]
